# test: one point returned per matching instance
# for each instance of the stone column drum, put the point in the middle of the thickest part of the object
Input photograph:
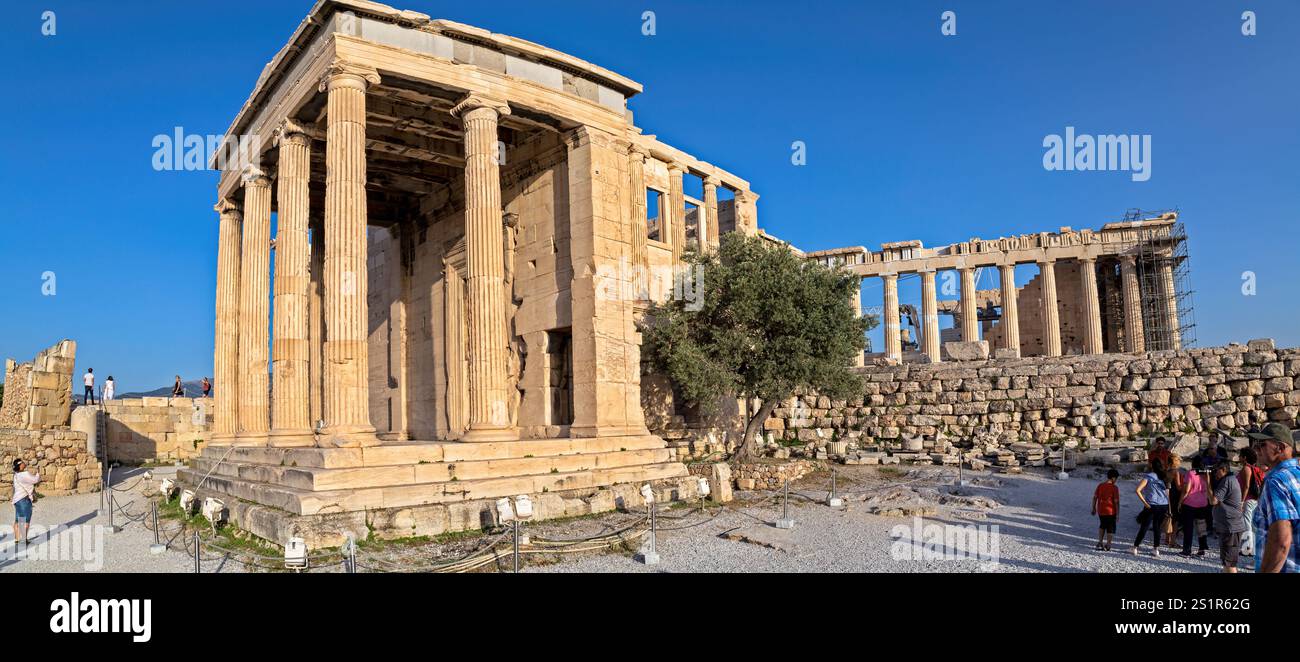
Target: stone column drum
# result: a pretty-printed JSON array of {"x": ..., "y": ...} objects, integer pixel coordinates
[
  {"x": 640, "y": 266},
  {"x": 290, "y": 411},
  {"x": 710, "y": 220},
  {"x": 1010, "y": 308},
  {"x": 225, "y": 367},
  {"x": 489, "y": 416},
  {"x": 1051, "y": 315},
  {"x": 893, "y": 340},
  {"x": 677, "y": 207},
  {"x": 1134, "y": 334},
  {"x": 255, "y": 310},
  {"x": 970, "y": 327},
  {"x": 1092, "y": 339},
  {"x": 347, "y": 400},
  {"x": 929, "y": 317}
]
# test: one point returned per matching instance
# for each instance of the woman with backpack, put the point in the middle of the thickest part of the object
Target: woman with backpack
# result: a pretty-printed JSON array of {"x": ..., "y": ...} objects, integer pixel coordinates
[{"x": 1251, "y": 479}]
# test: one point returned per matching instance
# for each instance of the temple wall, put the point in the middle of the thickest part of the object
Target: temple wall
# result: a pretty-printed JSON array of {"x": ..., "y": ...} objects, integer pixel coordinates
[
  {"x": 38, "y": 394},
  {"x": 1042, "y": 399}
]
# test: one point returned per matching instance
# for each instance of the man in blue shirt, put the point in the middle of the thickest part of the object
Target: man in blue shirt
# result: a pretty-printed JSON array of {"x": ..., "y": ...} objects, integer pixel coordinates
[{"x": 1277, "y": 519}]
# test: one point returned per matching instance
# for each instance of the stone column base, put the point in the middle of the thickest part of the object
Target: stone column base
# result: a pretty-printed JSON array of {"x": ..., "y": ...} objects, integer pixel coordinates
[
  {"x": 340, "y": 436},
  {"x": 290, "y": 438},
  {"x": 491, "y": 434}
]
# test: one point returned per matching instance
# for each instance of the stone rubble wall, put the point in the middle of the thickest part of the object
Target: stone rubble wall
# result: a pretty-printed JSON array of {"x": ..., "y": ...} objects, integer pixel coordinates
[
  {"x": 1044, "y": 399},
  {"x": 38, "y": 395},
  {"x": 770, "y": 475},
  {"x": 141, "y": 430},
  {"x": 61, "y": 456}
]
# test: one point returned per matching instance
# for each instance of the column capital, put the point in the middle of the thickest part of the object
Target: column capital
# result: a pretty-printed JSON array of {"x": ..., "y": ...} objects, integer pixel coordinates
[
  {"x": 638, "y": 152},
  {"x": 1129, "y": 260},
  {"x": 341, "y": 73},
  {"x": 712, "y": 181},
  {"x": 255, "y": 176},
  {"x": 226, "y": 206},
  {"x": 1045, "y": 261},
  {"x": 1088, "y": 259},
  {"x": 474, "y": 101},
  {"x": 289, "y": 130},
  {"x": 510, "y": 219},
  {"x": 676, "y": 166},
  {"x": 889, "y": 277}
]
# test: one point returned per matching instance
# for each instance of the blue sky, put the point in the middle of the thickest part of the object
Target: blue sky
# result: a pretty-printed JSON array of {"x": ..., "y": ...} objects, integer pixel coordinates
[{"x": 909, "y": 135}]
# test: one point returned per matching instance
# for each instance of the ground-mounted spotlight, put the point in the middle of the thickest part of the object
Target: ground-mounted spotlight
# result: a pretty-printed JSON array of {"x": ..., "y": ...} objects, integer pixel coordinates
[
  {"x": 647, "y": 493},
  {"x": 167, "y": 488},
  {"x": 214, "y": 510},
  {"x": 505, "y": 513},
  {"x": 187, "y": 501},
  {"x": 702, "y": 485},
  {"x": 648, "y": 554},
  {"x": 295, "y": 554},
  {"x": 523, "y": 507}
]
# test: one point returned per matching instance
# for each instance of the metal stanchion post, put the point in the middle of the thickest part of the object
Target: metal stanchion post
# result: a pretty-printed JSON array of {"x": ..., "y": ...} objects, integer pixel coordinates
[
  {"x": 516, "y": 554},
  {"x": 834, "y": 501},
  {"x": 157, "y": 547},
  {"x": 649, "y": 555},
  {"x": 785, "y": 522},
  {"x": 196, "y": 552},
  {"x": 112, "y": 518}
]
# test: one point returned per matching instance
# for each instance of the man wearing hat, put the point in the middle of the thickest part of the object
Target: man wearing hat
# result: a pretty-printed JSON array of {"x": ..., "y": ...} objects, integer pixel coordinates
[{"x": 1277, "y": 519}]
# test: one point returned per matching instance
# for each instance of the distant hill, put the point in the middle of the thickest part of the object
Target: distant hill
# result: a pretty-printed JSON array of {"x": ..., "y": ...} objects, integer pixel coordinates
[{"x": 193, "y": 389}]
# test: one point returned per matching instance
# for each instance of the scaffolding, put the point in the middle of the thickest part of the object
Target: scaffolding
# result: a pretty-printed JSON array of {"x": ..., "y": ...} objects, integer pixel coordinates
[{"x": 1168, "y": 318}]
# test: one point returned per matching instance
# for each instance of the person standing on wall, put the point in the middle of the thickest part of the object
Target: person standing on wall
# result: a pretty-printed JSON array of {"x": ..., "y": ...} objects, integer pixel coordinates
[
  {"x": 88, "y": 380},
  {"x": 110, "y": 387},
  {"x": 178, "y": 390},
  {"x": 206, "y": 385}
]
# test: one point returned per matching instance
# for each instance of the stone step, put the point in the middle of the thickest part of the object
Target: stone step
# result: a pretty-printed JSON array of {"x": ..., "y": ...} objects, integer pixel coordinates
[
  {"x": 415, "y": 452},
  {"x": 304, "y": 502},
  {"x": 319, "y": 479}
]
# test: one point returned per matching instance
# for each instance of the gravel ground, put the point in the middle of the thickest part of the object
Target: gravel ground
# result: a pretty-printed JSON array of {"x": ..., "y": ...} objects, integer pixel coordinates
[
  {"x": 100, "y": 550},
  {"x": 1043, "y": 525}
]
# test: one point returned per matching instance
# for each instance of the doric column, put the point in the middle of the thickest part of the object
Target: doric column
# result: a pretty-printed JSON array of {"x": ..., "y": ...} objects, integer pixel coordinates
[
  {"x": 1051, "y": 316},
  {"x": 225, "y": 371},
  {"x": 709, "y": 223},
  {"x": 640, "y": 266},
  {"x": 1092, "y": 343},
  {"x": 489, "y": 415},
  {"x": 970, "y": 326},
  {"x": 929, "y": 317},
  {"x": 1010, "y": 308},
  {"x": 347, "y": 399},
  {"x": 1169, "y": 294},
  {"x": 254, "y": 308},
  {"x": 855, "y": 301},
  {"x": 893, "y": 341},
  {"x": 677, "y": 205},
  {"x": 1134, "y": 340},
  {"x": 290, "y": 410}
]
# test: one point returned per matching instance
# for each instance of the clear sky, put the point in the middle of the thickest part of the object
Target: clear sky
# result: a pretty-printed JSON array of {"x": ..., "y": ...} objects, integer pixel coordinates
[{"x": 909, "y": 135}]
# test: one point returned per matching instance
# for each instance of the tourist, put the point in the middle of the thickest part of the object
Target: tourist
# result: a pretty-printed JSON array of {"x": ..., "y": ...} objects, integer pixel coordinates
[
  {"x": 1277, "y": 519},
  {"x": 206, "y": 385},
  {"x": 178, "y": 390},
  {"x": 110, "y": 387},
  {"x": 1250, "y": 479},
  {"x": 24, "y": 496},
  {"x": 88, "y": 380},
  {"x": 1161, "y": 452},
  {"x": 1174, "y": 478},
  {"x": 1153, "y": 492},
  {"x": 1229, "y": 524},
  {"x": 1194, "y": 507},
  {"x": 1105, "y": 505}
]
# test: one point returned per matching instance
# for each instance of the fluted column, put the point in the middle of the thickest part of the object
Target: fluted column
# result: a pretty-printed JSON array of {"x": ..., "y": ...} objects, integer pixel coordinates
[
  {"x": 855, "y": 301},
  {"x": 225, "y": 370},
  {"x": 316, "y": 325},
  {"x": 677, "y": 205},
  {"x": 893, "y": 341},
  {"x": 970, "y": 326},
  {"x": 710, "y": 221},
  {"x": 347, "y": 400},
  {"x": 1010, "y": 308},
  {"x": 290, "y": 410},
  {"x": 489, "y": 416},
  {"x": 1092, "y": 343},
  {"x": 1134, "y": 339},
  {"x": 640, "y": 266},
  {"x": 255, "y": 309},
  {"x": 929, "y": 317},
  {"x": 1051, "y": 316},
  {"x": 1170, "y": 296}
]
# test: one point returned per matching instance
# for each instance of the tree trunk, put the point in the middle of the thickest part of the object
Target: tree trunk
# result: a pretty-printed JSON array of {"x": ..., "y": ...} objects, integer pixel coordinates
[{"x": 755, "y": 424}]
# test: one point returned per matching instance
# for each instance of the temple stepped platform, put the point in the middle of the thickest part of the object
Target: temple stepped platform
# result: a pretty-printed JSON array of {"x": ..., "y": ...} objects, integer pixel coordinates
[{"x": 426, "y": 488}]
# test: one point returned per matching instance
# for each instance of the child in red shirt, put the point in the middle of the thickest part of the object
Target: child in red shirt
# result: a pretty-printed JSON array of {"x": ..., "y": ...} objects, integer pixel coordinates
[{"x": 1105, "y": 505}]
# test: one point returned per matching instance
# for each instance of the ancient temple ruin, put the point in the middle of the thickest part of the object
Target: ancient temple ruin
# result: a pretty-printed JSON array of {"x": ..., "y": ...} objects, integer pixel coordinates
[
  {"x": 1118, "y": 289},
  {"x": 467, "y": 227}
]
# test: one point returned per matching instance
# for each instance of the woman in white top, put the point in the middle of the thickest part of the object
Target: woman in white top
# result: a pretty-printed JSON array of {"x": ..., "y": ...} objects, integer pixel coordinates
[
  {"x": 24, "y": 494},
  {"x": 109, "y": 386}
]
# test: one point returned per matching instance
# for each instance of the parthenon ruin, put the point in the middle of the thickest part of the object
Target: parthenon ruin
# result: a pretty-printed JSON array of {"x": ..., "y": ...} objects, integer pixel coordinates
[
  {"x": 451, "y": 206},
  {"x": 1117, "y": 289}
]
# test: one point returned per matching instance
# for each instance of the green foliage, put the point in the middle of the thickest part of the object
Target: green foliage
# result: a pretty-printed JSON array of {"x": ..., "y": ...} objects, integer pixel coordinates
[{"x": 766, "y": 323}]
